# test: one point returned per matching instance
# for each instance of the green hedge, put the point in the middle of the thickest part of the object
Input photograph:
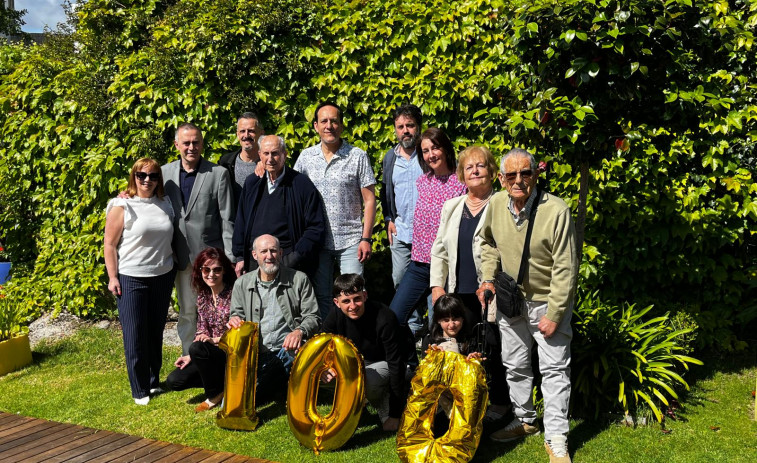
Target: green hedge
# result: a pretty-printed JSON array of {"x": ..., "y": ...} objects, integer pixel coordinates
[{"x": 652, "y": 100}]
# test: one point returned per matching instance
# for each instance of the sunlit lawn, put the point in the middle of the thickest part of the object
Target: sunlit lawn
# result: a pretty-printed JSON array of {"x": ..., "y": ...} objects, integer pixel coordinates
[{"x": 82, "y": 380}]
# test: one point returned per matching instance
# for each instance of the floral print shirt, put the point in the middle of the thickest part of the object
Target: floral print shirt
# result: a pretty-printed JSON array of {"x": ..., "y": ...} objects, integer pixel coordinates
[
  {"x": 211, "y": 320},
  {"x": 433, "y": 191},
  {"x": 339, "y": 182}
]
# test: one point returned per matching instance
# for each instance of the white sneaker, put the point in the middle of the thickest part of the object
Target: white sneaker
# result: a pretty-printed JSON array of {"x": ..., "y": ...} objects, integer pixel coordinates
[
  {"x": 557, "y": 448},
  {"x": 156, "y": 390},
  {"x": 142, "y": 401}
]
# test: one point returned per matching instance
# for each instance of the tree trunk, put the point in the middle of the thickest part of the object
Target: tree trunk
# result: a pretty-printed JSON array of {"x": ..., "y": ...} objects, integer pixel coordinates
[{"x": 583, "y": 192}]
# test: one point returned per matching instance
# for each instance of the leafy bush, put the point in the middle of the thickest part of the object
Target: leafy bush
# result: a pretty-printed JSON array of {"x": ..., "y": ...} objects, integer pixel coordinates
[
  {"x": 13, "y": 319},
  {"x": 622, "y": 358}
]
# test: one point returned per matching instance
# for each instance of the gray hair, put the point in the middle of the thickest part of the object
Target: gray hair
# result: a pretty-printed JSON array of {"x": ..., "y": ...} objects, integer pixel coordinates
[
  {"x": 518, "y": 153},
  {"x": 249, "y": 115},
  {"x": 282, "y": 143},
  {"x": 255, "y": 242},
  {"x": 186, "y": 126}
]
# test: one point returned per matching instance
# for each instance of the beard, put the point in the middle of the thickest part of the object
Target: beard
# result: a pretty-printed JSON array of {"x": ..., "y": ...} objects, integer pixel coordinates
[
  {"x": 409, "y": 143},
  {"x": 270, "y": 269}
]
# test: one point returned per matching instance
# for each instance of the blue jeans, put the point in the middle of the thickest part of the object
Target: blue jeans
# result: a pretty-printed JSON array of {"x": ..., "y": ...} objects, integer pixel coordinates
[
  {"x": 324, "y": 275},
  {"x": 400, "y": 260},
  {"x": 413, "y": 288}
]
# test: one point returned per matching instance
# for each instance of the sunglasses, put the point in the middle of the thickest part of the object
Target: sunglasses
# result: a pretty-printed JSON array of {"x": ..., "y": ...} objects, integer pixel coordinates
[
  {"x": 215, "y": 270},
  {"x": 153, "y": 176},
  {"x": 524, "y": 174}
]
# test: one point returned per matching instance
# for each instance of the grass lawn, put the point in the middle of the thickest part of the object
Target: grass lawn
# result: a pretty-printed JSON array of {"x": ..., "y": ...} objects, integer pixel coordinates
[{"x": 82, "y": 380}]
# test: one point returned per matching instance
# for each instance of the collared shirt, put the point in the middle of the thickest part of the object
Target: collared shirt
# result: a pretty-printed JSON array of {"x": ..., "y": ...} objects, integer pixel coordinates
[
  {"x": 339, "y": 182},
  {"x": 187, "y": 182},
  {"x": 212, "y": 319},
  {"x": 273, "y": 325},
  {"x": 404, "y": 175},
  {"x": 521, "y": 216},
  {"x": 272, "y": 185}
]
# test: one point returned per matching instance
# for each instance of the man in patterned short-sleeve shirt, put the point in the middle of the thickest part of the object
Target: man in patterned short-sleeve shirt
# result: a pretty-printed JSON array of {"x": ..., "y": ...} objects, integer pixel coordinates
[{"x": 343, "y": 175}]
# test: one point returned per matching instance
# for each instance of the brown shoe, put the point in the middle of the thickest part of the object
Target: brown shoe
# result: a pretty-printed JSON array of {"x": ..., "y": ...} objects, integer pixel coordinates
[
  {"x": 557, "y": 449},
  {"x": 207, "y": 404},
  {"x": 513, "y": 431}
]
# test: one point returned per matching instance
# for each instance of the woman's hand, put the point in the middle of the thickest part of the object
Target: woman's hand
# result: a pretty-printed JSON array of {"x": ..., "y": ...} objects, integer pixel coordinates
[
  {"x": 215, "y": 340},
  {"x": 202, "y": 338},
  {"x": 182, "y": 362},
  {"x": 476, "y": 356},
  {"x": 114, "y": 286}
]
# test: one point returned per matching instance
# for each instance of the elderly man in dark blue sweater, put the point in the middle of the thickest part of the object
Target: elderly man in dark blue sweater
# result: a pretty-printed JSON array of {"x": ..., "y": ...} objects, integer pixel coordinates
[{"x": 282, "y": 203}]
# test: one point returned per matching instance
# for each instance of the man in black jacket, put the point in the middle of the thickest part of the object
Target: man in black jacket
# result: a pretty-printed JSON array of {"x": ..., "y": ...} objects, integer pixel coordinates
[
  {"x": 282, "y": 203},
  {"x": 241, "y": 163},
  {"x": 375, "y": 331}
]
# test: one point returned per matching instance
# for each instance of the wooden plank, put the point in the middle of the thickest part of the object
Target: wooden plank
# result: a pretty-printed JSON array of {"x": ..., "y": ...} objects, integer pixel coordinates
[
  {"x": 154, "y": 446},
  {"x": 243, "y": 459},
  {"x": 202, "y": 455},
  {"x": 6, "y": 418},
  {"x": 218, "y": 458},
  {"x": 18, "y": 426},
  {"x": 25, "y": 429},
  {"x": 155, "y": 456},
  {"x": 125, "y": 450},
  {"x": 32, "y": 440},
  {"x": 70, "y": 433},
  {"x": 178, "y": 456},
  {"x": 117, "y": 441},
  {"x": 103, "y": 438},
  {"x": 81, "y": 437}
]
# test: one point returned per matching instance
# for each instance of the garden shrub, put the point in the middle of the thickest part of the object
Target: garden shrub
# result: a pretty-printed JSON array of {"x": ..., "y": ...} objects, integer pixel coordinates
[{"x": 623, "y": 358}]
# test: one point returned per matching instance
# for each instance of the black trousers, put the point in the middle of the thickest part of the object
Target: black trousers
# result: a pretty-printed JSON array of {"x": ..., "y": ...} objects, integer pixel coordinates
[
  {"x": 142, "y": 310},
  {"x": 496, "y": 377},
  {"x": 206, "y": 370}
]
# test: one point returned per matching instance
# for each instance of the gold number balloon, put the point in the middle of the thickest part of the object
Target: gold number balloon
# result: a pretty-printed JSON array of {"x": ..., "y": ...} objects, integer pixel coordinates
[
  {"x": 443, "y": 371},
  {"x": 322, "y": 352},
  {"x": 241, "y": 347}
]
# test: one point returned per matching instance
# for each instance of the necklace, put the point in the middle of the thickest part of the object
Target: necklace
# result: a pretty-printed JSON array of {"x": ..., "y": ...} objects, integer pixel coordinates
[{"x": 476, "y": 204}]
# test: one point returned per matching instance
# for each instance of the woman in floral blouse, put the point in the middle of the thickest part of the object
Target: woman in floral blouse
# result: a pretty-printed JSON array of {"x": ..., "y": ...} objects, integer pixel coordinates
[
  {"x": 213, "y": 278},
  {"x": 438, "y": 184}
]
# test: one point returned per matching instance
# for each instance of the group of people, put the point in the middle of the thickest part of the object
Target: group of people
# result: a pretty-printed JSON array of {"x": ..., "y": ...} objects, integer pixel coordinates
[{"x": 254, "y": 240}]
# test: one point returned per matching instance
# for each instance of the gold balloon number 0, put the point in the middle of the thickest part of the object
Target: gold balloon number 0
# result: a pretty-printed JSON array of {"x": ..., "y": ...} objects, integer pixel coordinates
[
  {"x": 438, "y": 372},
  {"x": 241, "y": 347},
  {"x": 322, "y": 352}
]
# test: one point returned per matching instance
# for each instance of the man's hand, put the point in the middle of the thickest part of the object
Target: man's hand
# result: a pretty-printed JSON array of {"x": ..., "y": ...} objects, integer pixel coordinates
[
  {"x": 234, "y": 322},
  {"x": 391, "y": 424},
  {"x": 481, "y": 290},
  {"x": 293, "y": 340},
  {"x": 547, "y": 327},
  {"x": 260, "y": 169},
  {"x": 391, "y": 231},
  {"x": 328, "y": 375},
  {"x": 239, "y": 268},
  {"x": 363, "y": 251},
  {"x": 436, "y": 293},
  {"x": 182, "y": 362}
]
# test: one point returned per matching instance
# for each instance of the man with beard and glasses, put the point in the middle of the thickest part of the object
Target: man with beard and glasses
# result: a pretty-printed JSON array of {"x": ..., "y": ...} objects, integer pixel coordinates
[
  {"x": 399, "y": 194},
  {"x": 281, "y": 300},
  {"x": 241, "y": 162}
]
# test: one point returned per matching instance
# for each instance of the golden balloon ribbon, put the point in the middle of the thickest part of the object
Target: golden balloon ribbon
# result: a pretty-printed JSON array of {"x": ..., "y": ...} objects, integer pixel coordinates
[
  {"x": 241, "y": 347},
  {"x": 443, "y": 371},
  {"x": 322, "y": 353}
]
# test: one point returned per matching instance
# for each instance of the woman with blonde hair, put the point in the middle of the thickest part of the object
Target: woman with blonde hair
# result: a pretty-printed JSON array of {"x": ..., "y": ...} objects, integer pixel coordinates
[{"x": 140, "y": 264}]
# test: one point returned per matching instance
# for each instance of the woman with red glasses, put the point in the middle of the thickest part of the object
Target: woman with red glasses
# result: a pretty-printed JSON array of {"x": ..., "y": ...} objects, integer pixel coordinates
[
  {"x": 213, "y": 278},
  {"x": 140, "y": 264}
]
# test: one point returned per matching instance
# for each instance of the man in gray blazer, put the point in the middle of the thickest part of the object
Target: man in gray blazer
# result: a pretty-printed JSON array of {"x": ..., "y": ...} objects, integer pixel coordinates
[{"x": 201, "y": 194}]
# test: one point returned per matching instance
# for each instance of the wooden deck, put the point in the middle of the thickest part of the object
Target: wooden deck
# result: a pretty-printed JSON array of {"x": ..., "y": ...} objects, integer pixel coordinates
[{"x": 28, "y": 440}]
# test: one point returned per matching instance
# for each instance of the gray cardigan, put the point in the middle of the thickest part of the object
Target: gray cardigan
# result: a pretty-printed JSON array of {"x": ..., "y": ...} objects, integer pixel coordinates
[{"x": 293, "y": 292}]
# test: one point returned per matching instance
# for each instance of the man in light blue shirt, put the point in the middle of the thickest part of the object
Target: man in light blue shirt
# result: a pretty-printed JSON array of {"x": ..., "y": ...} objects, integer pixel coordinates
[{"x": 399, "y": 192}]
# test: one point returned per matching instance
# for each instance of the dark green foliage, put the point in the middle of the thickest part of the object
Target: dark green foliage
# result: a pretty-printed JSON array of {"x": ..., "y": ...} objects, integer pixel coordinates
[
  {"x": 652, "y": 100},
  {"x": 623, "y": 358},
  {"x": 10, "y": 20}
]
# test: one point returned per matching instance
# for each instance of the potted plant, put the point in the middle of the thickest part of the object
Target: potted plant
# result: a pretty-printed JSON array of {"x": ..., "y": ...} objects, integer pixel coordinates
[{"x": 15, "y": 351}]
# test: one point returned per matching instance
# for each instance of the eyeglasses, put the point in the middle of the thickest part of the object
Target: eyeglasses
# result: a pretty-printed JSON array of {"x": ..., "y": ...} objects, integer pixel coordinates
[
  {"x": 524, "y": 174},
  {"x": 208, "y": 270},
  {"x": 153, "y": 176}
]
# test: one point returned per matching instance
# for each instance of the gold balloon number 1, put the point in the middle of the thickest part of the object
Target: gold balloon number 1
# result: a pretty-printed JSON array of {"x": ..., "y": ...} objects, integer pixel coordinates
[
  {"x": 321, "y": 353},
  {"x": 241, "y": 347}
]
